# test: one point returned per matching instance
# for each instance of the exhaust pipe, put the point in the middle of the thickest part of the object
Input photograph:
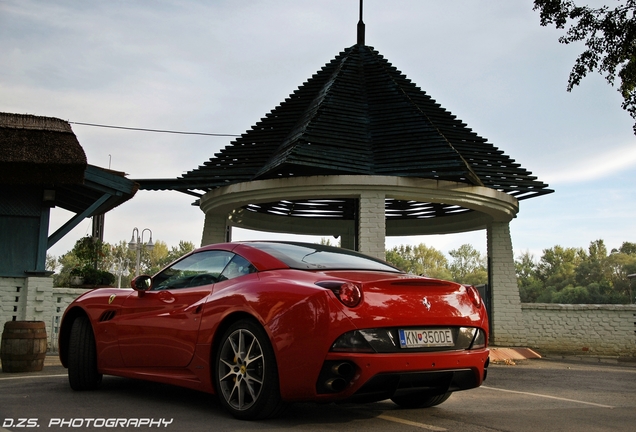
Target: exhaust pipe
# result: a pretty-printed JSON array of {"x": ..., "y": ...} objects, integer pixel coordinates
[
  {"x": 335, "y": 376},
  {"x": 336, "y": 384},
  {"x": 343, "y": 369}
]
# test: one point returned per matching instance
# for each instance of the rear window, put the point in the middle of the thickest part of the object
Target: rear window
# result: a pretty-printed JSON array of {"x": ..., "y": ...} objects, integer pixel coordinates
[{"x": 306, "y": 256}]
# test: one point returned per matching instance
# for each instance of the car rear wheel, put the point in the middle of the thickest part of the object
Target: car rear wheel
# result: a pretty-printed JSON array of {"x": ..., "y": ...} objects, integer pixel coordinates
[
  {"x": 82, "y": 356},
  {"x": 419, "y": 400},
  {"x": 245, "y": 373}
]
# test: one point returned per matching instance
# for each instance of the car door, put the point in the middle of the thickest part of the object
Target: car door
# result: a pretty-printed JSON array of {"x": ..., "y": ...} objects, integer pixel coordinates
[{"x": 159, "y": 327}]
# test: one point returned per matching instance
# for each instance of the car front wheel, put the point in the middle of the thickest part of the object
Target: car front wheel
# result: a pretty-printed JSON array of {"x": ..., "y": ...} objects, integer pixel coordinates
[
  {"x": 82, "y": 356},
  {"x": 245, "y": 373}
]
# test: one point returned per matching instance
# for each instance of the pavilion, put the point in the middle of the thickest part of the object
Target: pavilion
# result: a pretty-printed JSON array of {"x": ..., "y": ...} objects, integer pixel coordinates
[{"x": 360, "y": 152}]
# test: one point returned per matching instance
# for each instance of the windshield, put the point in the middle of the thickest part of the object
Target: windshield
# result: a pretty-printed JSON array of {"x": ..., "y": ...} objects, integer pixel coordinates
[{"x": 305, "y": 256}]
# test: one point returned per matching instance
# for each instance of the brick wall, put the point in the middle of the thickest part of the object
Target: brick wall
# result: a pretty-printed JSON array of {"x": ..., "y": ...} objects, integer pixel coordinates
[{"x": 581, "y": 329}]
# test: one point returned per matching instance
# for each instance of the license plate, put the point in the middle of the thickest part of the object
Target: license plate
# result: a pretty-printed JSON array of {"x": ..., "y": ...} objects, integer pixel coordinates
[{"x": 426, "y": 338}]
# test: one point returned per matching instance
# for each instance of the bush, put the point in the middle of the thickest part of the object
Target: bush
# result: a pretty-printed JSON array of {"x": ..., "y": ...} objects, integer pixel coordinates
[{"x": 95, "y": 277}]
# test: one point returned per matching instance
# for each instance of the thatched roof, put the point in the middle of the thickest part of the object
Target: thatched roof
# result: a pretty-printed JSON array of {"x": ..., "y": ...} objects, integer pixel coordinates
[{"x": 39, "y": 150}]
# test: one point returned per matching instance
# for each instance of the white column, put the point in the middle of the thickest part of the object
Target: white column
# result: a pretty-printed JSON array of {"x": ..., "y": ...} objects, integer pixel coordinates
[
  {"x": 507, "y": 325},
  {"x": 215, "y": 229},
  {"x": 372, "y": 225}
]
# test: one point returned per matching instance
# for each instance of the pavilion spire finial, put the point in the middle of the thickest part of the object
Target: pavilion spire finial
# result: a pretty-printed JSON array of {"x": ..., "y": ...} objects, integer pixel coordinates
[{"x": 361, "y": 27}]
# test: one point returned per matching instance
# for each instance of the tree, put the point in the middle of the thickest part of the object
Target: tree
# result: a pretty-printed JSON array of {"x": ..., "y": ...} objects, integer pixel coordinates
[
  {"x": 573, "y": 275},
  {"x": 628, "y": 248},
  {"x": 609, "y": 35},
  {"x": 623, "y": 263},
  {"x": 595, "y": 266},
  {"x": 113, "y": 261},
  {"x": 468, "y": 266},
  {"x": 93, "y": 267},
  {"x": 51, "y": 263},
  {"x": 66, "y": 264},
  {"x": 153, "y": 260},
  {"x": 121, "y": 261},
  {"x": 176, "y": 252},
  {"x": 530, "y": 287},
  {"x": 420, "y": 260},
  {"x": 572, "y": 295},
  {"x": 557, "y": 266}
]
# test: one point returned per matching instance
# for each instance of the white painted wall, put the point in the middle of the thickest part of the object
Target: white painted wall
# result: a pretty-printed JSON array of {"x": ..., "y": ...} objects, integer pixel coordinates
[{"x": 35, "y": 299}]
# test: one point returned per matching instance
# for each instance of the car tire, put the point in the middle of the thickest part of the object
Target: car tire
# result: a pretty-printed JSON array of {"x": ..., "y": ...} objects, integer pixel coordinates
[
  {"x": 82, "y": 356},
  {"x": 420, "y": 400},
  {"x": 246, "y": 374}
]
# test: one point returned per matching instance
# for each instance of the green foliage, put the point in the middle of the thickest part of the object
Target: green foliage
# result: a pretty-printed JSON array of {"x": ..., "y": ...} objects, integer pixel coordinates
[
  {"x": 468, "y": 266},
  {"x": 183, "y": 248},
  {"x": 560, "y": 275},
  {"x": 94, "y": 277},
  {"x": 51, "y": 263},
  {"x": 571, "y": 275},
  {"x": 87, "y": 259},
  {"x": 160, "y": 256},
  {"x": 529, "y": 292},
  {"x": 529, "y": 285},
  {"x": 67, "y": 263},
  {"x": 609, "y": 35},
  {"x": 420, "y": 260},
  {"x": 571, "y": 295},
  {"x": 104, "y": 264},
  {"x": 628, "y": 248},
  {"x": 557, "y": 266}
]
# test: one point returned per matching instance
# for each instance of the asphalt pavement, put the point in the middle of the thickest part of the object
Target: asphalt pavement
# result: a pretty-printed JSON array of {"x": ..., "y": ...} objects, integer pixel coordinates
[{"x": 548, "y": 393}]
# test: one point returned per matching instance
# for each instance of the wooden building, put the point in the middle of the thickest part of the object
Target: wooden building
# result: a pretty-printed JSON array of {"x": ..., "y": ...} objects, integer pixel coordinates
[{"x": 42, "y": 165}]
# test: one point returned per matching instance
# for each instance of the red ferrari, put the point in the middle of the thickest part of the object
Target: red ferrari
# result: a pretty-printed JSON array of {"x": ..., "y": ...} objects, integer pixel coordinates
[{"x": 263, "y": 324}]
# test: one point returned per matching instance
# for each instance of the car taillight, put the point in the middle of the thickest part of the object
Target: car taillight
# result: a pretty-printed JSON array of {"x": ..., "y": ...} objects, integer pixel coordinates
[
  {"x": 474, "y": 296},
  {"x": 349, "y": 294},
  {"x": 479, "y": 341},
  {"x": 353, "y": 341}
]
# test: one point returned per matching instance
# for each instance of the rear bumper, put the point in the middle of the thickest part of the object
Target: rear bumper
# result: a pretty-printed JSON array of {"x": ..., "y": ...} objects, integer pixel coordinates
[
  {"x": 382, "y": 376},
  {"x": 387, "y": 385}
]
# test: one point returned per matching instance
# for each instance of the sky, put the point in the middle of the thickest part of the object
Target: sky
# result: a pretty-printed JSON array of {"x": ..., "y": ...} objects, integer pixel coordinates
[{"x": 219, "y": 66}]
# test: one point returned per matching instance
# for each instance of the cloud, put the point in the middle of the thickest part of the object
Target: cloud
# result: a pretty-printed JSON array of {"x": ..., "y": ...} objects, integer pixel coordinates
[
  {"x": 594, "y": 167},
  {"x": 219, "y": 66}
]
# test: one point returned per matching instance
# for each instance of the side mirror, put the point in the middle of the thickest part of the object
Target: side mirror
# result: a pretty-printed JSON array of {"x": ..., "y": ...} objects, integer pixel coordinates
[{"x": 141, "y": 283}]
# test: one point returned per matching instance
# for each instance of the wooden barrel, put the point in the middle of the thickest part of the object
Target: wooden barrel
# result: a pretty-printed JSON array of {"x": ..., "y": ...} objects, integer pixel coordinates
[{"x": 24, "y": 345}]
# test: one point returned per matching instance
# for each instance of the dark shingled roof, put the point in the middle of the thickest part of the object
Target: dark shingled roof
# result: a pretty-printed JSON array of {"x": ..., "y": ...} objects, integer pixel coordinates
[
  {"x": 39, "y": 150},
  {"x": 359, "y": 115}
]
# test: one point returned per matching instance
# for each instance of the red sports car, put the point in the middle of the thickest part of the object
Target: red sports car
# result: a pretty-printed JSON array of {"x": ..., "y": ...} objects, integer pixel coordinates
[{"x": 263, "y": 324}]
